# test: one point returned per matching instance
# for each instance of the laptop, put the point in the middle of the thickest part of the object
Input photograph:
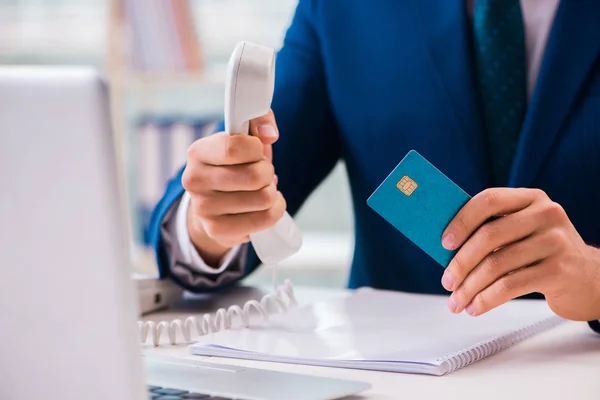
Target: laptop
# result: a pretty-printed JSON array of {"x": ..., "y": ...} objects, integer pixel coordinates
[{"x": 68, "y": 308}]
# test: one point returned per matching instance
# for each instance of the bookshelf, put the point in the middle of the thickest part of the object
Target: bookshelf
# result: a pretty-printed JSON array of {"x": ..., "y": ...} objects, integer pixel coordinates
[{"x": 154, "y": 55}]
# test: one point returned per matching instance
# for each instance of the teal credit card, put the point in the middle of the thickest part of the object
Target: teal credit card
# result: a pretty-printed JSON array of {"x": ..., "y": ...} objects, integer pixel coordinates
[{"x": 420, "y": 201}]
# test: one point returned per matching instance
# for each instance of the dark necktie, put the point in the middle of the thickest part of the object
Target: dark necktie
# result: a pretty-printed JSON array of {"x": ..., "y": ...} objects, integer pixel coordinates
[{"x": 501, "y": 70}]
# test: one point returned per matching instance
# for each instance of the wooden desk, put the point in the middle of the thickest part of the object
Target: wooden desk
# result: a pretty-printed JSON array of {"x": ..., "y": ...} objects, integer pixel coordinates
[{"x": 561, "y": 364}]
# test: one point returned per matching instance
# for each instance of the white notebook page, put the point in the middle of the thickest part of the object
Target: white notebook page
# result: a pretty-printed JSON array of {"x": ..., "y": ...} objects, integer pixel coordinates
[{"x": 375, "y": 325}]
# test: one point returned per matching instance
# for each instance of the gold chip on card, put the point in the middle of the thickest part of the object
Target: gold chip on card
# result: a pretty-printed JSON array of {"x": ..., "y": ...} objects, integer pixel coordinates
[{"x": 406, "y": 185}]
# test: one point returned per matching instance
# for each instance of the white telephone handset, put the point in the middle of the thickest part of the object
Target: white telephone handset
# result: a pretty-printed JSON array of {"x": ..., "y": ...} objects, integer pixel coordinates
[
  {"x": 249, "y": 88},
  {"x": 248, "y": 95}
]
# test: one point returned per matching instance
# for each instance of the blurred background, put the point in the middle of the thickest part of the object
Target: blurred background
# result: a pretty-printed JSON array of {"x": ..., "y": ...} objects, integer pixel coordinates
[{"x": 166, "y": 60}]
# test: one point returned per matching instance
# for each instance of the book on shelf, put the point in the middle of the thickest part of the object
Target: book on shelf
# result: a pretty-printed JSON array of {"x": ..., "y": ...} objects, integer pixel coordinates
[
  {"x": 161, "y": 36},
  {"x": 160, "y": 144}
]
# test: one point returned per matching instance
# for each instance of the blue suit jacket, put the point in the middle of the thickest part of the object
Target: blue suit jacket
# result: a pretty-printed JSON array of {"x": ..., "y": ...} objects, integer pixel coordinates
[{"x": 365, "y": 82}]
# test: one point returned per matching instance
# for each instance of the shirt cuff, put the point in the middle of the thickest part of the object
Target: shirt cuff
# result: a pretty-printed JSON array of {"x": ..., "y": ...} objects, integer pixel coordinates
[
  {"x": 595, "y": 325},
  {"x": 189, "y": 253}
]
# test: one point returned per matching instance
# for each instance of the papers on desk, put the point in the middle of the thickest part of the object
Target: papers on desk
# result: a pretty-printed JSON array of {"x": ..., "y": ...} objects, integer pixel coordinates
[{"x": 384, "y": 331}]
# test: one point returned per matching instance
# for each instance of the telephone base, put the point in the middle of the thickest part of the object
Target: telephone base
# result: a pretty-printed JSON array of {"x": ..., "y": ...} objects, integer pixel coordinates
[{"x": 155, "y": 294}]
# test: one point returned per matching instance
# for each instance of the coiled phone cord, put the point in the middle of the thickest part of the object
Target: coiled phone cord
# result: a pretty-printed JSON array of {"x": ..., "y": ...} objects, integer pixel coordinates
[{"x": 282, "y": 297}]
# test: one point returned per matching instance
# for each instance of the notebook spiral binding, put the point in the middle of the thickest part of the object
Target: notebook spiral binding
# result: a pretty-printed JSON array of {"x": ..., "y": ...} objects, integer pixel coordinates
[
  {"x": 475, "y": 353},
  {"x": 283, "y": 298}
]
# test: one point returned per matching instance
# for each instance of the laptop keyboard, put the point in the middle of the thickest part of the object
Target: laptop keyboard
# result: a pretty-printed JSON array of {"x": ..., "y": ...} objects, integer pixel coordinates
[{"x": 157, "y": 392}]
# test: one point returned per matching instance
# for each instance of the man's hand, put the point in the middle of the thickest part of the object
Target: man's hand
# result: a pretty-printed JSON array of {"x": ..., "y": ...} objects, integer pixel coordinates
[
  {"x": 533, "y": 247},
  {"x": 233, "y": 188}
]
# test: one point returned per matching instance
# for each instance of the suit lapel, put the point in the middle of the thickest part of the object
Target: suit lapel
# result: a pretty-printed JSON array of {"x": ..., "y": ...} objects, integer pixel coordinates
[
  {"x": 446, "y": 27},
  {"x": 572, "y": 47}
]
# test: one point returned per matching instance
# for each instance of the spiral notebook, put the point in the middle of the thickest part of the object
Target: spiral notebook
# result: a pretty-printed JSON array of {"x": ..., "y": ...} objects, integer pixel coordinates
[{"x": 383, "y": 331}]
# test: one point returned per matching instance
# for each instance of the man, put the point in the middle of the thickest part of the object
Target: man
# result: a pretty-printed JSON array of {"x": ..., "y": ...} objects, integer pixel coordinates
[{"x": 503, "y": 96}]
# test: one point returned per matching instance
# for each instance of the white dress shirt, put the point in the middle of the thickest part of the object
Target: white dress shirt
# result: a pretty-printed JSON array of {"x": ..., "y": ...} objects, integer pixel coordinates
[
  {"x": 538, "y": 16},
  {"x": 189, "y": 253}
]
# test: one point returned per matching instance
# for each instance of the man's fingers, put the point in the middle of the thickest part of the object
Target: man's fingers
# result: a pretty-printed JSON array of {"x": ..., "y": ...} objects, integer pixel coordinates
[
  {"x": 519, "y": 283},
  {"x": 488, "y": 238},
  {"x": 498, "y": 264},
  {"x": 215, "y": 203},
  {"x": 224, "y": 149},
  {"x": 224, "y": 228},
  {"x": 233, "y": 185},
  {"x": 230, "y": 178},
  {"x": 485, "y": 205}
]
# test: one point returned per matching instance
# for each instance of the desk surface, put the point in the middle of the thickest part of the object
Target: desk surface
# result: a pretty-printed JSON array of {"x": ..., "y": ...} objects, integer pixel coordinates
[{"x": 563, "y": 363}]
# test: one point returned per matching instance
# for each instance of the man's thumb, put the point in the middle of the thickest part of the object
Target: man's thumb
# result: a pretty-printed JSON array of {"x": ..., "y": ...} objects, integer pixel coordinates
[{"x": 265, "y": 128}]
